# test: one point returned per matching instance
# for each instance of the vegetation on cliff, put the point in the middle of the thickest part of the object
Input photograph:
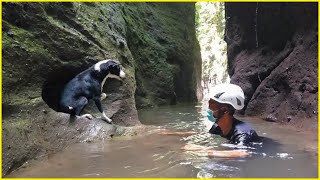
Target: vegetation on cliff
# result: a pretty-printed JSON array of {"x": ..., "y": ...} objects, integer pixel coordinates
[{"x": 210, "y": 27}]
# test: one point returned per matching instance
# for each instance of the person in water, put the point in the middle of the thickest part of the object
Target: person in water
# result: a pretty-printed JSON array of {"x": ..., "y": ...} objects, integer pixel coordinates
[{"x": 224, "y": 100}]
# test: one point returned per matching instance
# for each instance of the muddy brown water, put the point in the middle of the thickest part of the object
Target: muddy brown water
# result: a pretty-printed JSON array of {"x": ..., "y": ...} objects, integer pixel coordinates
[{"x": 284, "y": 152}]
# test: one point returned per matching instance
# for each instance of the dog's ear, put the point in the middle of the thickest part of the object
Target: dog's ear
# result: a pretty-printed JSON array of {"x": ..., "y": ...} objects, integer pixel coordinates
[{"x": 114, "y": 65}]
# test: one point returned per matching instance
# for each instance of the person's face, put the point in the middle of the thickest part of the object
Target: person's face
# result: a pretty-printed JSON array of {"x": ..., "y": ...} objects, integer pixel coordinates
[{"x": 214, "y": 107}]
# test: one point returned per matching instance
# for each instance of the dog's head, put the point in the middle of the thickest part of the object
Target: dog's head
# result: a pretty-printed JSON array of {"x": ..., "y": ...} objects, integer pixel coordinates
[{"x": 111, "y": 67}]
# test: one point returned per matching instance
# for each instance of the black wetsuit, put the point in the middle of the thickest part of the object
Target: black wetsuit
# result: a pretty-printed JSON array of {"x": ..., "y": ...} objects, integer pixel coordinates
[{"x": 241, "y": 133}]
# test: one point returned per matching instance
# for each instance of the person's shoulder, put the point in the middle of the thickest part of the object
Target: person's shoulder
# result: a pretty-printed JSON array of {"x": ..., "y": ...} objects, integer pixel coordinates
[
  {"x": 238, "y": 123},
  {"x": 243, "y": 126},
  {"x": 244, "y": 132}
]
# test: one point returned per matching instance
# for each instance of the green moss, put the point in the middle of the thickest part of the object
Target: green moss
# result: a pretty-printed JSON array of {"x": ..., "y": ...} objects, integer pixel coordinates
[
  {"x": 161, "y": 38},
  {"x": 21, "y": 53},
  {"x": 25, "y": 41}
]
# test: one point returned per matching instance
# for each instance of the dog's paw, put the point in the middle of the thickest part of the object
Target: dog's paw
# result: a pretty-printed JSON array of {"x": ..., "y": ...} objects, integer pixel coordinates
[
  {"x": 108, "y": 120},
  {"x": 103, "y": 96},
  {"x": 105, "y": 118},
  {"x": 88, "y": 116}
]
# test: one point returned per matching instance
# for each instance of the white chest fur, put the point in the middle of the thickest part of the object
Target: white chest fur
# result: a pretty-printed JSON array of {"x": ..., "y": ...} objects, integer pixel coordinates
[
  {"x": 103, "y": 81},
  {"x": 111, "y": 76}
]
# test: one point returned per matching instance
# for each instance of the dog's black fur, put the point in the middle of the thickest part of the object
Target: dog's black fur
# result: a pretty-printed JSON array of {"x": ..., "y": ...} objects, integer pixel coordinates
[{"x": 87, "y": 85}]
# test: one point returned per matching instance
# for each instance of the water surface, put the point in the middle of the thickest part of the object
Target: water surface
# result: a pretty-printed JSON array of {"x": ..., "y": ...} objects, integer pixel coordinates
[{"x": 284, "y": 152}]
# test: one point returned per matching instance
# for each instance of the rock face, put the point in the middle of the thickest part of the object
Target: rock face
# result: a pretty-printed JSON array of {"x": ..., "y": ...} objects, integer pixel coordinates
[
  {"x": 166, "y": 52},
  {"x": 46, "y": 44},
  {"x": 273, "y": 55}
]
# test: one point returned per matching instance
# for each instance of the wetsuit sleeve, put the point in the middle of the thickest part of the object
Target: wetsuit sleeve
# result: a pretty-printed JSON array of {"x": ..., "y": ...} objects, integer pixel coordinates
[
  {"x": 242, "y": 139},
  {"x": 215, "y": 129},
  {"x": 245, "y": 138}
]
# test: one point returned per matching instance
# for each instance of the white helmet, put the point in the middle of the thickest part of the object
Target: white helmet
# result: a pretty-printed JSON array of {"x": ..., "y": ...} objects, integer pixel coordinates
[{"x": 229, "y": 94}]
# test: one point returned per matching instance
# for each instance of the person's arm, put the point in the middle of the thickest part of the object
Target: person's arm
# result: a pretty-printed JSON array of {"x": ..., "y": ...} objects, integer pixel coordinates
[
  {"x": 215, "y": 129},
  {"x": 167, "y": 132},
  {"x": 206, "y": 151},
  {"x": 244, "y": 139},
  {"x": 225, "y": 154}
]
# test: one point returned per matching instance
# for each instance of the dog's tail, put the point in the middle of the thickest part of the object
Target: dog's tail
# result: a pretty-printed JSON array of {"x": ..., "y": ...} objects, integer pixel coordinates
[{"x": 67, "y": 109}]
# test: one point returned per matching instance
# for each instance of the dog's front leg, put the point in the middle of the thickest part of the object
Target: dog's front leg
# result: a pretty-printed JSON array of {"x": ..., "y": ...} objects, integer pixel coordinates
[
  {"x": 103, "y": 96},
  {"x": 99, "y": 105},
  {"x": 88, "y": 116}
]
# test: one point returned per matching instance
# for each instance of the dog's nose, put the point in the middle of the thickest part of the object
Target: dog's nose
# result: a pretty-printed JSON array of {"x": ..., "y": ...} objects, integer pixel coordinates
[{"x": 122, "y": 74}]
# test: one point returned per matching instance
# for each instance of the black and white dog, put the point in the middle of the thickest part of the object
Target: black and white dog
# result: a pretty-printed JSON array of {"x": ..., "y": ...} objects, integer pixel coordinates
[{"x": 88, "y": 85}]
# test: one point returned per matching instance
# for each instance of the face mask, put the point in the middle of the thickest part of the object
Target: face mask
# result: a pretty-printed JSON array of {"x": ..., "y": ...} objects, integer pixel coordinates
[{"x": 210, "y": 116}]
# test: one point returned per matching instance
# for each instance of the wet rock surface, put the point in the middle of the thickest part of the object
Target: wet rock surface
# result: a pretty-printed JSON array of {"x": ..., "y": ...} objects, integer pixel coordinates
[{"x": 28, "y": 137}]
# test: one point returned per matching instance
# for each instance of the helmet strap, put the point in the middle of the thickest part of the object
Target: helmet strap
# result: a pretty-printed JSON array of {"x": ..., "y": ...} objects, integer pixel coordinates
[
  {"x": 220, "y": 114},
  {"x": 224, "y": 122}
]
